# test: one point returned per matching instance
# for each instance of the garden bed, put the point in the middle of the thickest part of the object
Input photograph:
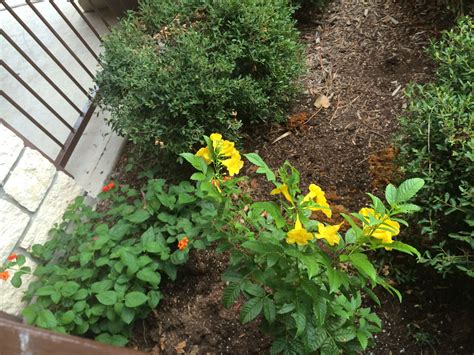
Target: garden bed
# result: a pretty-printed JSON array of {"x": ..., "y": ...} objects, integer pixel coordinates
[{"x": 361, "y": 57}]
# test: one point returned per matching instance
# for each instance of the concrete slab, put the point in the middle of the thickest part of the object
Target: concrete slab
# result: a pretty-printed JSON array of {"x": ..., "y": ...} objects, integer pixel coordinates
[{"x": 88, "y": 160}]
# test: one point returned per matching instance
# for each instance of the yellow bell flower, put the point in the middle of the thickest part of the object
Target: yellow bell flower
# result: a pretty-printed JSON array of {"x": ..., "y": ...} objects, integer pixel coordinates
[
  {"x": 317, "y": 195},
  {"x": 283, "y": 189},
  {"x": 385, "y": 231},
  {"x": 298, "y": 235},
  {"x": 234, "y": 164},
  {"x": 205, "y": 154},
  {"x": 329, "y": 233}
]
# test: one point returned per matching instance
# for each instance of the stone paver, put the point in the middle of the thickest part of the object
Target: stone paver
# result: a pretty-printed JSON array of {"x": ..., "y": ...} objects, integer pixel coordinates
[
  {"x": 30, "y": 180},
  {"x": 10, "y": 148},
  {"x": 61, "y": 194},
  {"x": 13, "y": 222}
]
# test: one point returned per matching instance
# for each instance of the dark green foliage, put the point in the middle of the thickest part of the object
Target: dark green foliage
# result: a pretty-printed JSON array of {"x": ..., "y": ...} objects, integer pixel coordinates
[
  {"x": 102, "y": 270},
  {"x": 176, "y": 70},
  {"x": 437, "y": 142}
]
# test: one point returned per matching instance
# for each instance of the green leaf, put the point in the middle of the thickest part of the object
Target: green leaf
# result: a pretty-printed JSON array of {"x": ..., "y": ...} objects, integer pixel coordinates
[
  {"x": 81, "y": 294},
  {"x": 251, "y": 310},
  {"x": 197, "y": 162},
  {"x": 70, "y": 288},
  {"x": 343, "y": 335},
  {"x": 85, "y": 257},
  {"x": 315, "y": 337},
  {"x": 118, "y": 231},
  {"x": 363, "y": 265},
  {"x": 45, "y": 291},
  {"x": 139, "y": 216},
  {"x": 311, "y": 264},
  {"x": 20, "y": 260},
  {"x": 269, "y": 310},
  {"x": 231, "y": 293},
  {"x": 101, "y": 286},
  {"x": 405, "y": 248},
  {"x": 279, "y": 345},
  {"x": 255, "y": 159},
  {"x": 150, "y": 276},
  {"x": 334, "y": 278},
  {"x": 127, "y": 315},
  {"x": 67, "y": 317},
  {"x": 408, "y": 208},
  {"x": 46, "y": 319},
  {"x": 273, "y": 209},
  {"x": 300, "y": 321},
  {"x": 253, "y": 289},
  {"x": 286, "y": 308},
  {"x": 408, "y": 189},
  {"x": 198, "y": 177},
  {"x": 362, "y": 338},
  {"x": 16, "y": 279},
  {"x": 30, "y": 313},
  {"x": 107, "y": 298},
  {"x": 391, "y": 195},
  {"x": 135, "y": 299},
  {"x": 320, "y": 309},
  {"x": 329, "y": 347}
]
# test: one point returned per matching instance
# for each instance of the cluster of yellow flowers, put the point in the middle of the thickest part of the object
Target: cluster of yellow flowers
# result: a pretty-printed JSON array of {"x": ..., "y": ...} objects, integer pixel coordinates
[
  {"x": 301, "y": 236},
  {"x": 224, "y": 153},
  {"x": 385, "y": 231}
]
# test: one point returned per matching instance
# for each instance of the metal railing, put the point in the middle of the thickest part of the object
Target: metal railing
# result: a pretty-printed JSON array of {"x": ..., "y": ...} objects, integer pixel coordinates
[{"x": 51, "y": 21}]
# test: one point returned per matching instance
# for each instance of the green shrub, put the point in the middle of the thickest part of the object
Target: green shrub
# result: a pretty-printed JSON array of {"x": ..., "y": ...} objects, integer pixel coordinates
[
  {"x": 101, "y": 271},
  {"x": 175, "y": 70},
  {"x": 437, "y": 141}
]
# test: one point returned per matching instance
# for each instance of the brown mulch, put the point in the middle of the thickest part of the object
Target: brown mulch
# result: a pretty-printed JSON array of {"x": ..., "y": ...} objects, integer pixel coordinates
[{"x": 361, "y": 58}]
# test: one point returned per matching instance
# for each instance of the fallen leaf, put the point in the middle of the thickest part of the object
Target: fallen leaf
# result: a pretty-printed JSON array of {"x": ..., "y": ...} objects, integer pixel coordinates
[
  {"x": 322, "y": 101},
  {"x": 180, "y": 347}
]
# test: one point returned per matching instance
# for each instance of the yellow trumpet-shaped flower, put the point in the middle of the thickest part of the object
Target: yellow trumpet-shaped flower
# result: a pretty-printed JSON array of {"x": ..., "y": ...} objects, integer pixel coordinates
[
  {"x": 386, "y": 231},
  {"x": 205, "y": 154},
  {"x": 317, "y": 195},
  {"x": 298, "y": 235},
  {"x": 283, "y": 189},
  {"x": 329, "y": 233},
  {"x": 234, "y": 163}
]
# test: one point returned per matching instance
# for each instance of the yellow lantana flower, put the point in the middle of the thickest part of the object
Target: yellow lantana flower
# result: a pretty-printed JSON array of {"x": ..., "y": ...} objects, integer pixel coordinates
[
  {"x": 317, "y": 195},
  {"x": 283, "y": 189},
  {"x": 205, "y": 154},
  {"x": 329, "y": 233},
  {"x": 298, "y": 235},
  {"x": 234, "y": 164},
  {"x": 385, "y": 231}
]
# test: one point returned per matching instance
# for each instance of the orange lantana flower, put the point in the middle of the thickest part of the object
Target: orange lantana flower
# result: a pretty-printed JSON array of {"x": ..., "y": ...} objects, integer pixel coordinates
[
  {"x": 4, "y": 275},
  {"x": 183, "y": 243}
]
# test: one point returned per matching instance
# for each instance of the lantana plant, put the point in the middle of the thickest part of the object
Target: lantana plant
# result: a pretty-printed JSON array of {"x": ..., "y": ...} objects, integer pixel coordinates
[{"x": 306, "y": 277}]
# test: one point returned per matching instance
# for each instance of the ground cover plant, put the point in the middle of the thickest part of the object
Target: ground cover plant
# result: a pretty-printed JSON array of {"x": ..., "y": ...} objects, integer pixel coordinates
[
  {"x": 102, "y": 269},
  {"x": 173, "y": 71},
  {"x": 437, "y": 140}
]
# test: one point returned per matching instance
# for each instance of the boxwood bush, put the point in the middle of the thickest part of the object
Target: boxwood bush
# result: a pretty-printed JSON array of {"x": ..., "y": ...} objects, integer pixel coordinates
[
  {"x": 175, "y": 70},
  {"x": 437, "y": 141}
]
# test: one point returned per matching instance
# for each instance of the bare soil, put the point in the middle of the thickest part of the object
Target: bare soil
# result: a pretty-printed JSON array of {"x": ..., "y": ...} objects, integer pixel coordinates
[{"x": 361, "y": 56}]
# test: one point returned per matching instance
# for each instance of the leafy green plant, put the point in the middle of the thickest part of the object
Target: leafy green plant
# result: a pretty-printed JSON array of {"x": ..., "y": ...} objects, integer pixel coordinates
[
  {"x": 437, "y": 142},
  {"x": 300, "y": 274},
  {"x": 102, "y": 268},
  {"x": 174, "y": 70}
]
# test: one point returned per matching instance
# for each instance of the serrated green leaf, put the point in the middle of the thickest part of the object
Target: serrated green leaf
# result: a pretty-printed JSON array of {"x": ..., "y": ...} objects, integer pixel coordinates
[
  {"x": 362, "y": 338},
  {"x": 409, "y": 189},
  {"x": 100, "y": 286},
  {"x": 255, "y": 159},
  {"x": 70, "y": 288},
  {"x": 334, "y": 279},
  {"x": 127, "y": 315},
  {"x": 251, "y": 310},
  {"x": 315, "y": 337},
  {"x": 273, "y": 209},
  {"x": 300, "y": 321},
  {"x": 405, "y": 248},
  {"x": 279, "y": 346},
  {"x": 67, "y": 317},
  {"x": 269, "y": 310},
  {"x": 363, "y": 265},
  {"x": 343, "y": 335},
  {"x": 329, "y": 347},
  {"x": 311, "y": 264},
  {"x": 391, "y": 195},
  {"x": 320, "y": 309},
  {"x": 197, "y": 162}
]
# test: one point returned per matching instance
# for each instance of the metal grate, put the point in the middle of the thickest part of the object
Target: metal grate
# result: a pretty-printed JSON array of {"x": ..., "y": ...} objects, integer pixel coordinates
[{"x": 49, "y": 56}]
